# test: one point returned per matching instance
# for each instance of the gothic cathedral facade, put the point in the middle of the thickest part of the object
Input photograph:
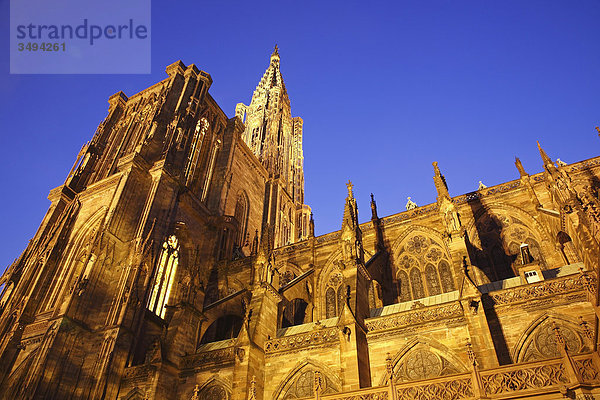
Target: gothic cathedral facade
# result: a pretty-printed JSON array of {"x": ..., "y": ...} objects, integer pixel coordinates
[{"x": 178, "y": 261}]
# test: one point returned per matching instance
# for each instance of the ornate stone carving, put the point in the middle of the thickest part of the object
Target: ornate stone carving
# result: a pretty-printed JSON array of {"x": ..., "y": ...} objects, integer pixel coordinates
[
  {"x": 415, "y": 317},
  {"x": 523, "y": 379},
  {"x": 417, "y": 244},
  {"x": 446, "y": 390},
  {"x": 307, "y": 383},
  {"x": 543, "y": 289},
  {"x": 208, "y": 358},
  {"x": 303, "y": 340},
  {"x": 422, "y": 364},
  {"x": 586, "y": 370},
  {"x": 214, "y": 392}
]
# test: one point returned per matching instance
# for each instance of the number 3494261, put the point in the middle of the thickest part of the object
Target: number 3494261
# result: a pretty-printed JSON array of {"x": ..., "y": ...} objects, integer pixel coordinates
[{"x": 41, "y": 46}]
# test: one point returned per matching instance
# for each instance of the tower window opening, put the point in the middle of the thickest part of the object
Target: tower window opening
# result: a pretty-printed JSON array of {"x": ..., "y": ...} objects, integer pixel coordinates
[{"x": 165, "y": 275}]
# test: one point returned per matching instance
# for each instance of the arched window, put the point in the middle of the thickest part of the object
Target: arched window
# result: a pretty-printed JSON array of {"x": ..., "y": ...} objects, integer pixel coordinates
[
  {"x": 226, "y": 327},
  {"x": 446, "y": 276},
  {"x": 567, "y": 248},
  {"x": 241, "y": 215},
  {"x": 335, "y": 295},
  {"x": 330, "y": 303},
  {"x": 404, "y": 286},
  {"x": 341, "y": 299},
  {"x": 294, "y": 313},
  {"x": 214, "y": 392},
  {"x": 417, "y": 284},
  {"x": 211, "y": 167},
  {"x": 433, "y": 282},
  {"x": 196, "y": 146},
  {"x": 165, "y": 275},
  {"x": 375, "y": 294}
]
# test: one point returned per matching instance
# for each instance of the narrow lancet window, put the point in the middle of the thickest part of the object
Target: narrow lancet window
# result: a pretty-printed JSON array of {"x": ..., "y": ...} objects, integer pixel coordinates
[{"x": 165, "y": 275}]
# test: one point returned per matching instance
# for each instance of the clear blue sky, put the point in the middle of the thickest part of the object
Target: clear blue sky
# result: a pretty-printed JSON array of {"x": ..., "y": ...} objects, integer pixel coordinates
[{"x": 384, "y": 89}]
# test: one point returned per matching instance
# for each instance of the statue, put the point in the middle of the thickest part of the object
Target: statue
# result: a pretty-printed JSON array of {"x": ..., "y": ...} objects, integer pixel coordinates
[{"x": 452, "y": 220}]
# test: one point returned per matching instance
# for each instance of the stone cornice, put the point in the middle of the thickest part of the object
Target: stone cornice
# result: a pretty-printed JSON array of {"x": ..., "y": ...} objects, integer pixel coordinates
[
  {"x": 105, "y": 184},
  {"x": 302, "y": 340},
  {"x": 571, "y": 283},
  {"x": 209, "y": 359},
  {"x": 414, "y": 317}
]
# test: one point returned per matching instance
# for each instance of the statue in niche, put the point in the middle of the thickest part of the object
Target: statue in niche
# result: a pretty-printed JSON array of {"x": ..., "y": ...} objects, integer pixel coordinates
[{"x": 452, "y": 220}]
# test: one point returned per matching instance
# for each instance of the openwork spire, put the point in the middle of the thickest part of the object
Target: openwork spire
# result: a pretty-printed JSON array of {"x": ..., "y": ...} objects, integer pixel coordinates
[{"x": 275, "y": 138}]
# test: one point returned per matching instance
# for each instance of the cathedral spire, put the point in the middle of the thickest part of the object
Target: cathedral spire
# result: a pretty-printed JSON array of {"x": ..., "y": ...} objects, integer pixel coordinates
[
  {"x": 374, "y": 215},
  {"x": 547, "y": 160},
  {"x": 351, "y": 234},
  {"x": 275, "y": 138},
  {"x": 440, "y": 182},
  {"x": 350, "y": 209}
]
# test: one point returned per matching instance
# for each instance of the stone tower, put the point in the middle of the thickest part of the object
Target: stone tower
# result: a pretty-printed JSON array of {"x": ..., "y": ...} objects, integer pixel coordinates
[
  {"x": 178, "y": 261},
  {"x": 275, "y": 138}
]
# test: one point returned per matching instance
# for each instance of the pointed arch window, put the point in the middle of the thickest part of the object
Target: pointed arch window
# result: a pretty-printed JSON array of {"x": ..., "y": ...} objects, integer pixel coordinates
[
  {"x": 165, "y": 275},
  {"x": 241, "y": 215},
  {"x": 211, "y": 167},
  {"x": 417, "y": 284},
  {"x": 404, "y": 286},
  {"x": 567, "y": 248},
  {"x": 335, "y": 296},
  {"x": 433, "y": 282},
  {"x": 195, "y": 148},
  {"x": 446, "y": 275},
  {"x": 330, "y": 308}
]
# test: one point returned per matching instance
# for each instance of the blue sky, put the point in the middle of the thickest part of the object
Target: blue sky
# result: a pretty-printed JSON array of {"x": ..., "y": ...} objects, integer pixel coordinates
[{"x": 384, "y": 89}]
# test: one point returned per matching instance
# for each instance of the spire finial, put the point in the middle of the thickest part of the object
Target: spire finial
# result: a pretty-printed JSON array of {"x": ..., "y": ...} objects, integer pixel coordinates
[
  {"x": 349, "y": 186},
  {"x": 374, "y": 215},
  {"x": 275, "y": 54}
]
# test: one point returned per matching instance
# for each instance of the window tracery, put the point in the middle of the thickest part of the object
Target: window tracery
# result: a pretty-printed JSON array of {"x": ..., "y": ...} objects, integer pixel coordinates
[
  {"x": 424, "y": 269},
  {"x": 499, "y": 238},
  {"x": 303, "y": 385},
  {"x": 195, "y": 149},
  {"x": 417, "y": 284},
  {"x": 165, "y": 276},
  {"x": 433, "y": 283},
  {"x": 543, "y": 344},
  {"x": 334, "y": 295},
  {"x": 422, "y": 363},
  {"x": 446, "y": 277},
  {"x": 214, "y": 392},
  {"x": 404, "y": 286}
]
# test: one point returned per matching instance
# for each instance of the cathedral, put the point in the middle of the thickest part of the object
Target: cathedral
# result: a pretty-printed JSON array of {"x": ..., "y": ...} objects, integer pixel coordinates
[{"x": 178, "y": 260}]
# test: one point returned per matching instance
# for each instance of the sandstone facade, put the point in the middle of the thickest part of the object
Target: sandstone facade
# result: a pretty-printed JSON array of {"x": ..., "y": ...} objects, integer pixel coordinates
[{"x": 179, "y": 261}]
